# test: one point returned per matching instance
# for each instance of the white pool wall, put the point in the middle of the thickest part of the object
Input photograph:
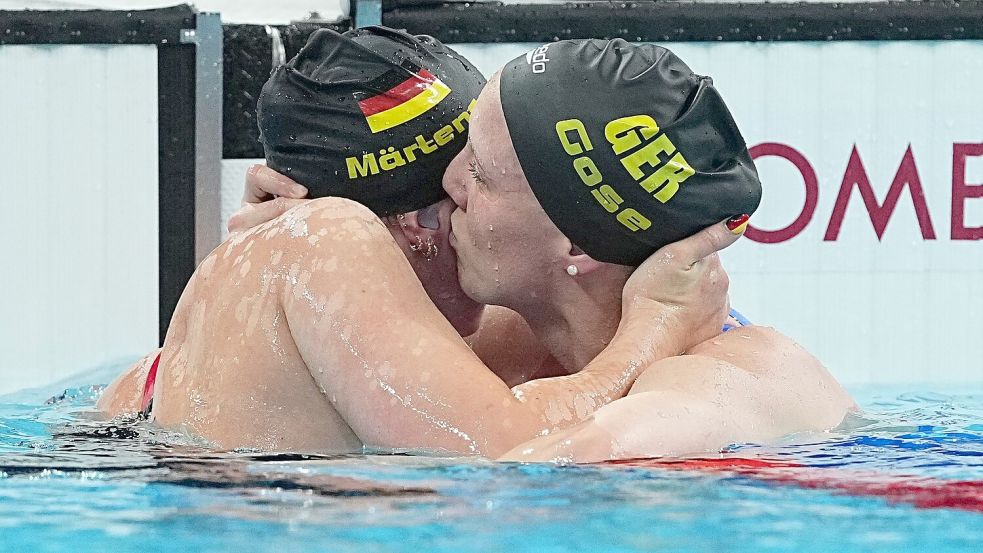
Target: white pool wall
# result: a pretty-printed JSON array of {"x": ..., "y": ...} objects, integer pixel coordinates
[{"x": 79, "y": 227}]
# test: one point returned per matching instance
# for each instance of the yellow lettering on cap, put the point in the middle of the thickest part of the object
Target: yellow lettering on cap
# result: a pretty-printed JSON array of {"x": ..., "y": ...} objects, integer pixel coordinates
[
  {"x": 628, "y": 132},
  {"x": 443, "y": 135},
  {"x": 647, "y": 155},
  {"x": 587, "y": 171},
  {"x": 391, "y": 158},
  {"x": 669, "y": 177},
  {"x": 607, "y": 197},
  {"x": 464, "y": 116},
  {"x": 633, "y": 220},
  {"x": 368, "y": 166},
  {"x": 573, "y": 148}
]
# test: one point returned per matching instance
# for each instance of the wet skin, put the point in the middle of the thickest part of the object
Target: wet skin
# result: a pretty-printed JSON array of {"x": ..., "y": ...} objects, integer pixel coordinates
[
  {"x": 312, "y": 332},
  {"x": 751, "y": 384}
]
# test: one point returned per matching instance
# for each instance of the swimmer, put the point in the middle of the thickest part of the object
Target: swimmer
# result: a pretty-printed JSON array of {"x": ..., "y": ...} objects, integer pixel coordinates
[
  {"x": 312, "y": 331},
  {"x": 576, "y": 170},
  {"x": 640, "y": 152}
]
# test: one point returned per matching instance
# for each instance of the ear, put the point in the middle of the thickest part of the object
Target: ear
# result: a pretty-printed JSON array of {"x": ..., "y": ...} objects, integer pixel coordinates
[
  {"x": 422, "y": 223},
  {"x": 584, "y": 263}
]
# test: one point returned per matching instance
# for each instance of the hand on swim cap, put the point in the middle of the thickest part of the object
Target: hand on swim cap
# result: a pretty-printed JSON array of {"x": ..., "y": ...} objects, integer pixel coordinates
[
  {"x": 625, "y": 147},
  {"x": 710, "y": 240},
  {"x": 253, "y": 215},
  {"x": 684, "y": 284},
  {"x": 263, "y": 184}
]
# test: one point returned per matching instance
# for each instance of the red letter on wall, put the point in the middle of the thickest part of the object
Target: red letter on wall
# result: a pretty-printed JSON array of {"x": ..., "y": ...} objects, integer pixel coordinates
[
  {"x": 880, "y": 214},
  {"x": 962, "y": 191},
  {"x": 812, "y": 193}
]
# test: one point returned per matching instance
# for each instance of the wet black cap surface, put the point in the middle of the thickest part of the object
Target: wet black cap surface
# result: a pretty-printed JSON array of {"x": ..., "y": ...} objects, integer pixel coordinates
[
  {"x": 625, "y": 147},
  {"x": 374, "y": 115}
]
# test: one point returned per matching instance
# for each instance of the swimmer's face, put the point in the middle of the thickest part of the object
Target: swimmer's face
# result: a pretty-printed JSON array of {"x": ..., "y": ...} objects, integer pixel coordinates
[
  {"x": 508, "y": 249},
  {"x": 423, "y": 235}
]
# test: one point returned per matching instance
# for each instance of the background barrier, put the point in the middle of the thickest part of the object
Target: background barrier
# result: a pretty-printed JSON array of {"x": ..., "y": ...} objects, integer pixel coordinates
[
  {"x": 862, "y": 117},
  {"x": 111, "y": 146}
]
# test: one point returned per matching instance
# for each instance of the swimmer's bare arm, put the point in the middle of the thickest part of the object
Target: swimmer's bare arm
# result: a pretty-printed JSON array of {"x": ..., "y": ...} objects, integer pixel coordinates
[
  {"x": 503, "y": 342},
  {"x": 748, "y": 385},
  {"x": 397, "y": 371}
]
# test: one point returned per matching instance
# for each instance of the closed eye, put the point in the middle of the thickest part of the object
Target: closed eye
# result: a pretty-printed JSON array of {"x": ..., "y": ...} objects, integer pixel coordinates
[{"x": 473, "y": 169}]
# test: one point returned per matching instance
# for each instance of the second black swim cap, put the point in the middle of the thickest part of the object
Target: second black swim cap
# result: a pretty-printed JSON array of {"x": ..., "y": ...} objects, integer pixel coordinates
[
  {"x": 375, "y": 115},
  {"x": 624, "y": 146}
]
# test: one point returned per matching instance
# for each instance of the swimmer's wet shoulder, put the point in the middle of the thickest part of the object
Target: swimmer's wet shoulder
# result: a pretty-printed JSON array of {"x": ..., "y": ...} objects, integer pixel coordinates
[{"x": 230, "y": 355}]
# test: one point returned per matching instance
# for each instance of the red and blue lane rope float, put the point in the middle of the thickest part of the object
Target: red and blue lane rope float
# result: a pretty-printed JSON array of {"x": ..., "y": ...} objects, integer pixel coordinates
[{"x": 920, "y": 491}]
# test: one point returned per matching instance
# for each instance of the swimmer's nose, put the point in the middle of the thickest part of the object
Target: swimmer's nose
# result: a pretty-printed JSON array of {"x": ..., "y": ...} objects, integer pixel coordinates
[{"x": 453, "y": 183}]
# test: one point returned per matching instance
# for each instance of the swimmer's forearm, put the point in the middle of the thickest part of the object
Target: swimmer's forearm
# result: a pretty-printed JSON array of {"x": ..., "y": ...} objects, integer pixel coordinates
[
  {"x": 642, "y": 339},
  {"x": 688, "y": 424}
]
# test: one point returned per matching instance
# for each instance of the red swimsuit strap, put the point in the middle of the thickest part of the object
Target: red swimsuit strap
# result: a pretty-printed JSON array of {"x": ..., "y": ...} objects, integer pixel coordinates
[{"x": 148, "y": 388}]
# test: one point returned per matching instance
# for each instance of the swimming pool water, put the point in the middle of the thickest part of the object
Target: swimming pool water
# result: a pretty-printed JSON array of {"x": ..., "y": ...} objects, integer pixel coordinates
[{"x": 906, "y": 477}]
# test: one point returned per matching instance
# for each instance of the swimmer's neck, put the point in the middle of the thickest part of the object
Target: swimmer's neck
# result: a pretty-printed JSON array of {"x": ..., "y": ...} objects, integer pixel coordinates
[
  {"x": 439, "y": 278},
  {"x": 576, "y": 323}
]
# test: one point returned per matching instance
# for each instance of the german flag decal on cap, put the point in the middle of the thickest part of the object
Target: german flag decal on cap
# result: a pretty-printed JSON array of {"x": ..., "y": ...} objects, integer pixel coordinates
[{"x": 403, "y": 102}]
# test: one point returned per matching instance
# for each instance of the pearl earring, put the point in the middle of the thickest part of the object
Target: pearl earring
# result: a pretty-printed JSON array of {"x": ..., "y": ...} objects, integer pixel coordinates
[{"x": 572, "y": 270}]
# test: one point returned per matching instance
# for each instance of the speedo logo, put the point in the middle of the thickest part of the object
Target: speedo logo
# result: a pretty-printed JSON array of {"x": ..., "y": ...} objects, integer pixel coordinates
[
  {"x": 637, "y": 142},
  {"x": 391, "y": 157},
  {"x": 537, "y": 59}
]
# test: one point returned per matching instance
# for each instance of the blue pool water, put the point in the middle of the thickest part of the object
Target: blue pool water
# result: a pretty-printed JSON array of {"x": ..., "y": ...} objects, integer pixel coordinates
[{"x": 69, "y": 482}]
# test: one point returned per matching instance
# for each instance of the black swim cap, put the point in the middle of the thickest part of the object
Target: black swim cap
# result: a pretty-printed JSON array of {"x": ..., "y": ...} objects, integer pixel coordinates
[
  {"x": 375, "y": 115},
  {"x": 625, "y": 147}
]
